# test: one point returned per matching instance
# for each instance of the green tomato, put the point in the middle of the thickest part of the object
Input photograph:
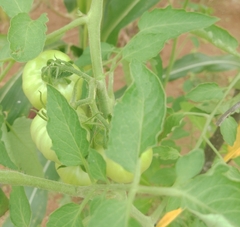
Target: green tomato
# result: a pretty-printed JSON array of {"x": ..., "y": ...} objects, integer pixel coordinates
[
  {"x": 35, "y": 87},
  {"x": 118, "y": 174},
  {"x": 41, "y": 138},
  {"x": 73, "y": 175}
]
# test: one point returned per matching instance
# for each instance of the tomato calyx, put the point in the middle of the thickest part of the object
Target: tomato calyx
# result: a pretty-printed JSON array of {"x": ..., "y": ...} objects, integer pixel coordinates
[{"x": 55, "y": 71}]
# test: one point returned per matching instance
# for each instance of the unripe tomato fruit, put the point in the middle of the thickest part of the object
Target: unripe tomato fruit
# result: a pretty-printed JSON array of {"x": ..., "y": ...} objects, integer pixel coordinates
[
  {"x": 40, "y": 137},
  {"x": 118, "y": 174},
  {"x": 35, "y": 87},
  {"x": 73, "y": 175}
]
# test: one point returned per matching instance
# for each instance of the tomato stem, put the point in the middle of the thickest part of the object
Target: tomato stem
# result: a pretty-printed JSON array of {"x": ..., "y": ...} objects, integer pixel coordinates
[
  {"x": 6, "y": 69},
  {"x": 94, "y": 27},
  {"x": 55, "y": 35},
  {"x": 16, "y": 178}
]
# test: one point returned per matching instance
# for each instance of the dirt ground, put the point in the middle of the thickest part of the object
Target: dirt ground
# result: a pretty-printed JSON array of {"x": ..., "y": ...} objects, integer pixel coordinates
[{"x": 228, "y": 12}]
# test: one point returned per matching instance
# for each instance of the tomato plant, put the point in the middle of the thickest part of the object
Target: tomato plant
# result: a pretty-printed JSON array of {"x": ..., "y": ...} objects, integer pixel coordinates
[
  {"x": 130, "y": 131},
  {"x": 35, "y": 79}
]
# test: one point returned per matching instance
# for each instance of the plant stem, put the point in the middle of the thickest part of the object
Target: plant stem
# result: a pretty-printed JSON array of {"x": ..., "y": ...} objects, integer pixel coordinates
[
  {"x": 15, "y": 178},
  {"x": 171, "y": 62},
  {"x": 134, "y": 186},
  {"x": 94, "y": 109},
  {"x": 141, "y": 218},
  {"x": 173, "y": 54},
  {"x": 196, "y": 114},
  {"x": 75, "y": 71},
  {"x": 54, "y": 35},
  {"x": 6, "y": 69},
  {"x": 213, "y": 148},
  {"x": 94, "y": 26}
]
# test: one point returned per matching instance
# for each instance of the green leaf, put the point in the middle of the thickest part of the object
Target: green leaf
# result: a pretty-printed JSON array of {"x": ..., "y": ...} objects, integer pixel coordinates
[
  {"x": 13, "y": 100},
  {"x": 197, "y": 121},
  {"x": 159, "y": 176},
  {"x": 13, "y": 7},
  {"x": 96, "y": 202},
  {"x": 213, "y": 194},
  {"x": 5, "y": 159},
  {"x": 220, "y": 35},
  {"x": 109, "y": 213},
  {"x": 160, "y": 25},
  {"x": 164, "y": 177},
  {"x": 118, "y": 14},
  {"x": 220, "y": 38},
  {"x": 206, "y": 190},
  {"x": 213, "y": 220},
  {"x": 137, "y": 118},
  {"x": 21, "y": 148},
  {"x": 67, "y": 215},
  {"x": 27, "y": 37},
  {"x": 166, "y": 153},
  {"x": 233, "y": 174},
  {"x": 143, "y": 204},
  {"x": 69, "y": 138},
  {"x": 144, "y": 46},
  {"x": 171, "y": 123},
  {"x": 97, "y": 165},
  {"x": 133, "y": 223},
  {"x": 20, "y": 212},
  {"x": 198, "y": 62},
  {"x": 4, "y": 203},
  {"x": 189, "y": 165},
  {"x": 228, "y": 130},
  {"x": 204, "y": 92}
]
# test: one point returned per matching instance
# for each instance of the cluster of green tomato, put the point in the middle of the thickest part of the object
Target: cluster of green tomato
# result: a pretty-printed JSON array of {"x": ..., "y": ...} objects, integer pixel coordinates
[{"x": 35, "y": 89}]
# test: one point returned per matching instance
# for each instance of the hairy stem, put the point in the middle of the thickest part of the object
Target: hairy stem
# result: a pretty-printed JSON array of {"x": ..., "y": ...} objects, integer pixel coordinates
[
  {"x": 54, "y": 35},
  {"x": 15, "y": 178},
  {"x": 94, "y": 27}
]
